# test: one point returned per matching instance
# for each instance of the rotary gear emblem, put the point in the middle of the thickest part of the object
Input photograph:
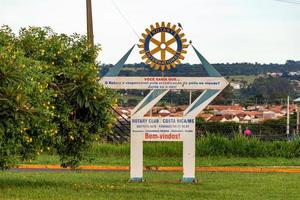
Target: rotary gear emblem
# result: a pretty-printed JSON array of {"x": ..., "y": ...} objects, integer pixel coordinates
[{"x": 163, "y": 46}]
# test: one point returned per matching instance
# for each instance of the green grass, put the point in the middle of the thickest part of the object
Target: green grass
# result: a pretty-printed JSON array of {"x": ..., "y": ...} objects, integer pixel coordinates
[
  {"x": 162, "y": 185},
  {"x": 158, "y": 185},
  {"x": 210, "y": 151},
  {"x": 176, "y": 161},
  {"x": 211, "y": 145},
  {"x": 249, "y": 79}
]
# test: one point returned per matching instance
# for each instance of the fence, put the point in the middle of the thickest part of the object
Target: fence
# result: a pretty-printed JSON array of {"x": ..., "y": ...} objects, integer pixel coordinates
[{"x": 264, "y": 131}]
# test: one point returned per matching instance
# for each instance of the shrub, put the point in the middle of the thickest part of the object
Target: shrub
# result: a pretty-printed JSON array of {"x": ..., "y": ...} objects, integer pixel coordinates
[
  {"x": 25, "y": 122},
  {"x": 216, "y": 145},
  {"x": 210, "y": 145},
  {"x": 49, "y": 96}
]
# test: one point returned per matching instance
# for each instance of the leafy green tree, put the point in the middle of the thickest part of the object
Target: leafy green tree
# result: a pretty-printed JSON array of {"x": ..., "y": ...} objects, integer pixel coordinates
[
  {"x": 25, "y": 122},
  {"x": 55, "y": 78},
  {"x": 225, "y": 96},
  {"x": 270, "y": 87}
]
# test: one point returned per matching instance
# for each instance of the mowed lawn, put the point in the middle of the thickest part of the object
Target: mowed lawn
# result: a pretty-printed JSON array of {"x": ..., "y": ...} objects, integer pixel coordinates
[
  {"x": 173, "y": 161},
  {"x": 158, "y": 185}
]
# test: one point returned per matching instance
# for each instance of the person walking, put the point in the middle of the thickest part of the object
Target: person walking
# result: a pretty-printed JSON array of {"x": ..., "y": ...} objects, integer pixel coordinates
[{"x": 247, "y": 132}]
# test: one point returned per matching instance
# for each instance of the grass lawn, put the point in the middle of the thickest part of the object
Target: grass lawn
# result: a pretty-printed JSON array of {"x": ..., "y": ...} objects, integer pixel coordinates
[
  {"x": 163, "y": 154},
  {"x": 175, "y": 161},
  {"x": 158, "y": 185},
  {"x": 249, "y": 78}
]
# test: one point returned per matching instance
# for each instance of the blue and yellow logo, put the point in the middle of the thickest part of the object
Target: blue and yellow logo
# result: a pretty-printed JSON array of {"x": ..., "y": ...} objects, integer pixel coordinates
[{"x": 163, "y": 46}]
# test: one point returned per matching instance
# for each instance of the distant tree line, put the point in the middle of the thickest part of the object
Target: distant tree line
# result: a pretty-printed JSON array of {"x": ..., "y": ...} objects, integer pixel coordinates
[
  {"x": 226, "y": 69},
  {"x": 270, "y": 89}
]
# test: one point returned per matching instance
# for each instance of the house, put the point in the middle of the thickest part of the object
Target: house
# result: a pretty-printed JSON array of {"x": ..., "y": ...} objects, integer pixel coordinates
[
  {"x": 254, "y": 114},
  {"x": 229, "y": 112},
  {"x": 205, "y": 116},
  {"x": 268, "y": 114},
  {"x": 275, "y": 74},
  {"x": 236, "y": 86},
  {"x": 164, "y": 113},
  {"x": 256, "y": 108},
  {"x": 218, "y": 118},
  {"x": 244, "y": 118},
  {"x": 296, "y": 73},
  {"x": 177, "y": 114},
  {"x": 182, "y": 107},
  {"x": 234, "y": 119},
  {"x": 224, "y": 118},
  {"x": 172, "y": 110},
  {"x": 297, "y": 100},
  {"x": 225, "y": 107},
  {"x": 292, "y": 109},
  {"x": 277, "y": 110}
]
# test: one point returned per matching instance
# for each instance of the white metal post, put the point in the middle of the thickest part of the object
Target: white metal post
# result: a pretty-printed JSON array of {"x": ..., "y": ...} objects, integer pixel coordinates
[
  {"x": 136, "y": 157},
  {"x": 189, "y": 158}
]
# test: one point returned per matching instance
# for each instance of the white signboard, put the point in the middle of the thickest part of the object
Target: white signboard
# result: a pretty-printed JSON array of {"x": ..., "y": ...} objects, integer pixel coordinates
[
  {"x": 163, "y": 129},
  {"x": 174, "y": 83}
]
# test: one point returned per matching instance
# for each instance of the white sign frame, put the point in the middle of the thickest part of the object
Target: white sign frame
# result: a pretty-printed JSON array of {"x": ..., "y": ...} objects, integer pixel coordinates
[{"x": 159, "y": 87}]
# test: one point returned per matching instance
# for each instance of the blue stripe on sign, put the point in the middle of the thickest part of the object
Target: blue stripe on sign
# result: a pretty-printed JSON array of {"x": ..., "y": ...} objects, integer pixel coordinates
[
  {"x": 154, "y": 94},
  {"x": 207, "y": 94},
  {"x": 147, "y": 43},
  {"x": 212, "y": 72},
  {"x": 115, "y": 70},
  {"x": 179, "y": 44}
]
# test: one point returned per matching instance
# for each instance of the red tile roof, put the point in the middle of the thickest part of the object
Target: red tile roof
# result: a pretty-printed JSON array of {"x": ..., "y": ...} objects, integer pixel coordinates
[{"x": 225, "y": 107}]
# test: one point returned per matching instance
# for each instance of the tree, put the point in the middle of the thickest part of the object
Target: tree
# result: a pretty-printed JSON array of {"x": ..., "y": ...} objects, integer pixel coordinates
[
  {"x": 56, "y": 79},
  {"x": 270, "y": 87},
  {"x": 132, "y": 102},
  {"x": 225, "y": 96},
  {"x": 25, "y": 122}
]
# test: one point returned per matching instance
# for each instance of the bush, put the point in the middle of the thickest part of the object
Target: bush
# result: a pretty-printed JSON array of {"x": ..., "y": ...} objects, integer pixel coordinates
[
  {"x": 49, "y": 96},
  {"x": 267, "y": 130},
  {"x": 216, "y": 145},
  {"x": 25, "y": 121},
  {"x": 210, "y": 145}
]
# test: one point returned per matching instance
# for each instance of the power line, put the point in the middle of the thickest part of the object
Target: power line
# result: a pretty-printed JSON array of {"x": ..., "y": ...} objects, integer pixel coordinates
[{"x": 124, "y": 17}]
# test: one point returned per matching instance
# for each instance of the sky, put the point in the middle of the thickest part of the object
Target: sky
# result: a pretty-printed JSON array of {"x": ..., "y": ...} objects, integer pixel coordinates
[{"x": 224, "y": 31}]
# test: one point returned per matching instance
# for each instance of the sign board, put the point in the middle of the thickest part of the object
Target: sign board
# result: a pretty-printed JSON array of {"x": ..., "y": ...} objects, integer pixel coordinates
[
  {"x": 163, "y": 128},
  {"x": 173, "y": 83},
  {"x": 164, "y": 53}
]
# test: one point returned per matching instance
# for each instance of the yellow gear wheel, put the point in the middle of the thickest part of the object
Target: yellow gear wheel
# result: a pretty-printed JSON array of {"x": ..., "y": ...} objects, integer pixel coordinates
[{"x": 163, "y": 46}]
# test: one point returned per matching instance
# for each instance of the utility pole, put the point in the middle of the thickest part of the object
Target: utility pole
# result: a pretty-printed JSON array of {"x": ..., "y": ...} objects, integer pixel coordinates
[
  {"x": 297, "y": 101},
  {"x": 288, "y": 118},
  {"x": 89, "y": 18},
  {"x": 190, "y": 98},
  {"x": 298, "y": 118},
  {"x": 255, "y": 104}
]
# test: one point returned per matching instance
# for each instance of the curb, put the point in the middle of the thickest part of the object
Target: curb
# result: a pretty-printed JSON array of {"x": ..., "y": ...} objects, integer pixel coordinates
[{"x": 156, "y": 168}]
